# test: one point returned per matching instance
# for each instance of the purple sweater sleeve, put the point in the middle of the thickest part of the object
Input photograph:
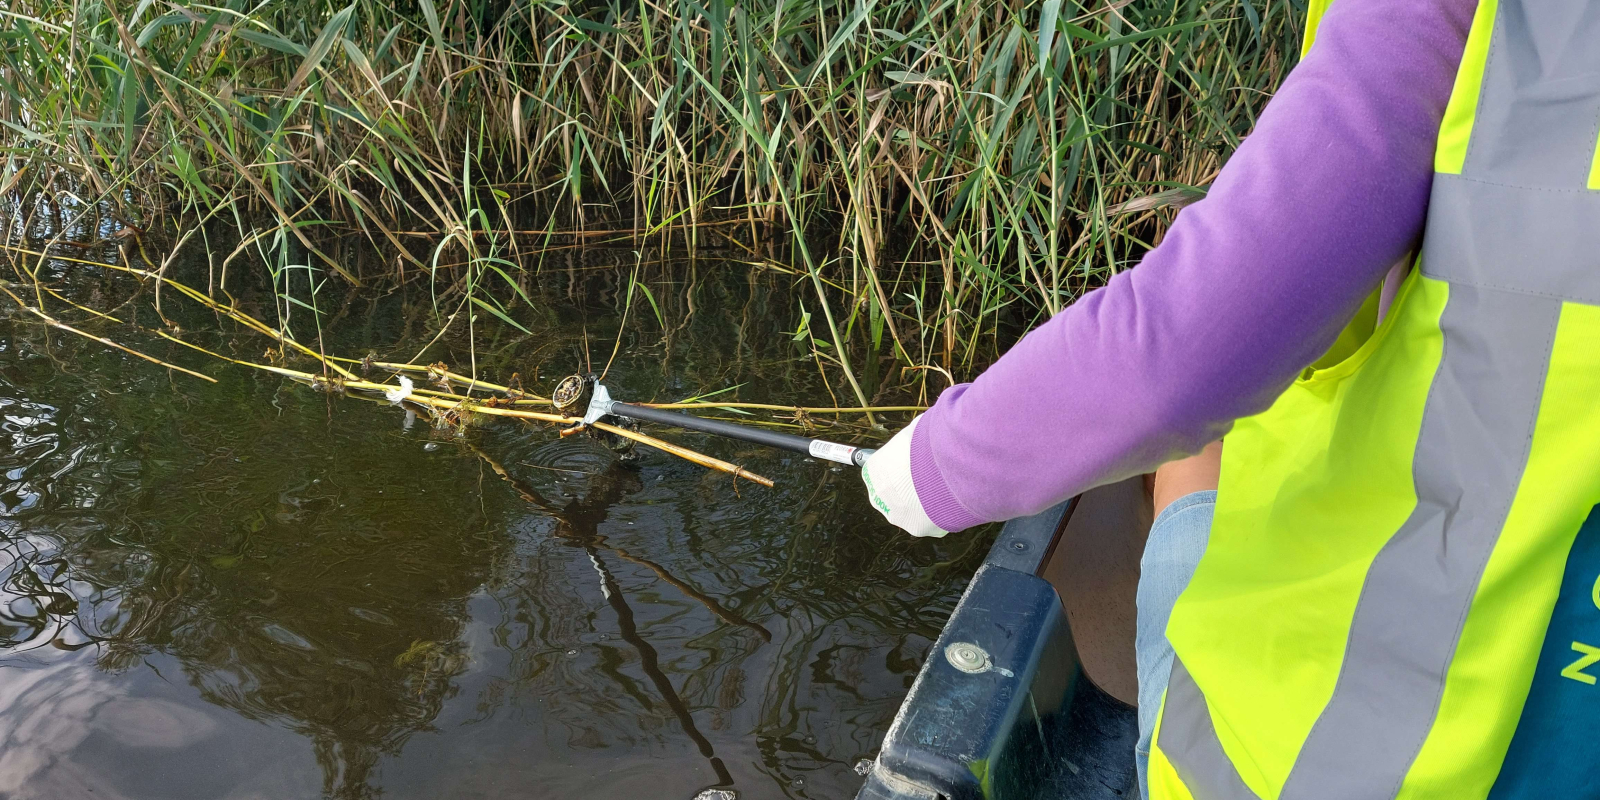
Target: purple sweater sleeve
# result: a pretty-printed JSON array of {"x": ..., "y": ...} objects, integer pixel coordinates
[{"x": 1250, "y": 285}]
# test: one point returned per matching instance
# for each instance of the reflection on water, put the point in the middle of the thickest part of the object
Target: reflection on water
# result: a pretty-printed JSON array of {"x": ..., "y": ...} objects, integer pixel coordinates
[{"x": 248, "y": 590}]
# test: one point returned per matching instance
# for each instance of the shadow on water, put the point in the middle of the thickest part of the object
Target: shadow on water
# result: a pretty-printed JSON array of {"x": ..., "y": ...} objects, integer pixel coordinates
[
  {"x": 578, "y": 521},
  {"x": 249, "y": 590}
]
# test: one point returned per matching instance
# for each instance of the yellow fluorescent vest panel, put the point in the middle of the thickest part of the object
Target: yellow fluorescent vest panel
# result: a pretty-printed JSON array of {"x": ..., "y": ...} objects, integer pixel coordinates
[
  {"x": 1456, "y": 131},
  {"x": 1310, "y": 490}
]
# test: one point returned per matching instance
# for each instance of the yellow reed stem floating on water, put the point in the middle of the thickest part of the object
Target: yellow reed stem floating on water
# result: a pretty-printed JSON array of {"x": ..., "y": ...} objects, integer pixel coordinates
[
  {"x": 55, "y": 323},
  {"x": 685, "y": 453},
  {"x": 445, "y": 401},
  {"x": 463, "y": 404},
  {"x": 495, "y": 411},
  {"x": 193, "y": 294},
  {"x": 454, "y": 378}
]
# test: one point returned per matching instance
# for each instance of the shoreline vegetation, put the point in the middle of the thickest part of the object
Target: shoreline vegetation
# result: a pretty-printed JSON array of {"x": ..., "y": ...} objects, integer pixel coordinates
[{"x": 937, "y": 176}]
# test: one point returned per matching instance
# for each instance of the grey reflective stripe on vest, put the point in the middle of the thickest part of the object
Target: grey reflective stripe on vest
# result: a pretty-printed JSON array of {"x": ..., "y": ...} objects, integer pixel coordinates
[
  {"x": 1477, "y": 425},
  {"x": 1519, "y": 216},
  {"x": 1190, "y": 743},
  {"x": 1536, "y": 123},
  {"x": 1515, "y": 238}
]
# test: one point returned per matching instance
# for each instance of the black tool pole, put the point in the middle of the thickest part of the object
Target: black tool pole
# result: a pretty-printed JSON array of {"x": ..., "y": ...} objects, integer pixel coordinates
[{"x": 816, "y": 448}]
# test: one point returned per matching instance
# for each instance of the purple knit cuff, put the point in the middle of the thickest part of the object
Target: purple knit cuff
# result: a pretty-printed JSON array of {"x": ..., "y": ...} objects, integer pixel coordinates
[{"x": 938, "y": 502}]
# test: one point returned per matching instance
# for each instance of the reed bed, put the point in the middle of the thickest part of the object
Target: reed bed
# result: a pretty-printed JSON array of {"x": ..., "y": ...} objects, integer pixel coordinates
[{"x": 938, "y": 174}]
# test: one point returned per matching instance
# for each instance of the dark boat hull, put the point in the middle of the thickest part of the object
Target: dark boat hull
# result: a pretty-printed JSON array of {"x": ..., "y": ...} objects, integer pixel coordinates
[{"x": 1002, "y": 708}]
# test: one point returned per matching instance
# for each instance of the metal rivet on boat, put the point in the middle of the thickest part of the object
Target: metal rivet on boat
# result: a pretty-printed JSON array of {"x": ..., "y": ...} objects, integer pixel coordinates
[
  {"x": 967, "y": 657},
  {"x": 1019, "y": 546}
]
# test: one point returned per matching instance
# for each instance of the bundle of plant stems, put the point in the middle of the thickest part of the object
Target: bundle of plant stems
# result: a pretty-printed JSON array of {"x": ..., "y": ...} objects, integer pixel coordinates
[
  {"x": 453, "y": 402},
  {"x": 941, "y": 174}
]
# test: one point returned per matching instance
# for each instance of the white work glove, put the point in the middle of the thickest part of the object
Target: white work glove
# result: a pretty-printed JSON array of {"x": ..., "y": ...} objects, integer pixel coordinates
[{"x": 888, "y": 477}]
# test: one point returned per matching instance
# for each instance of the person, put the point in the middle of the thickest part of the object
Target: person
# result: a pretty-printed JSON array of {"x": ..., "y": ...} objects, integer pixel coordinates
[{"x": 1385, "y": 581}]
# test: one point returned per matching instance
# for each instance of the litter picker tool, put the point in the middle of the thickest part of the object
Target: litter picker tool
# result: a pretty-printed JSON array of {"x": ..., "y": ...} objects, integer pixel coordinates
[{"x": 602, "y": 405}]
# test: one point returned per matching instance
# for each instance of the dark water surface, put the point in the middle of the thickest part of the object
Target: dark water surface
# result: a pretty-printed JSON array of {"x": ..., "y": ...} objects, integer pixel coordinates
[{"x": 251, "y": 590}]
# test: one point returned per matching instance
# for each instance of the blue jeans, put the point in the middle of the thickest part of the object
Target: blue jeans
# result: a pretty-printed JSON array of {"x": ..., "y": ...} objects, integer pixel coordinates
[{"x": 1177, "y": 540}]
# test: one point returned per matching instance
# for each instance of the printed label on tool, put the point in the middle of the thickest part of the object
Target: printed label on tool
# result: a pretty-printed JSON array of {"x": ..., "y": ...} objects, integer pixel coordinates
[{"x": 829, "y": 451}]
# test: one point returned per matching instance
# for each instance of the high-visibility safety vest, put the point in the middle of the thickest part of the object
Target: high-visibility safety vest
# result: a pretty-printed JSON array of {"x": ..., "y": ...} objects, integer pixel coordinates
[{"x": 1401, "y": 593}]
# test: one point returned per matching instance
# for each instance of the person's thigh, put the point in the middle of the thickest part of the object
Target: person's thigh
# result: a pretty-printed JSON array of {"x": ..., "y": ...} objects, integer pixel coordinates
[{"x": 1177, "y": 540}]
